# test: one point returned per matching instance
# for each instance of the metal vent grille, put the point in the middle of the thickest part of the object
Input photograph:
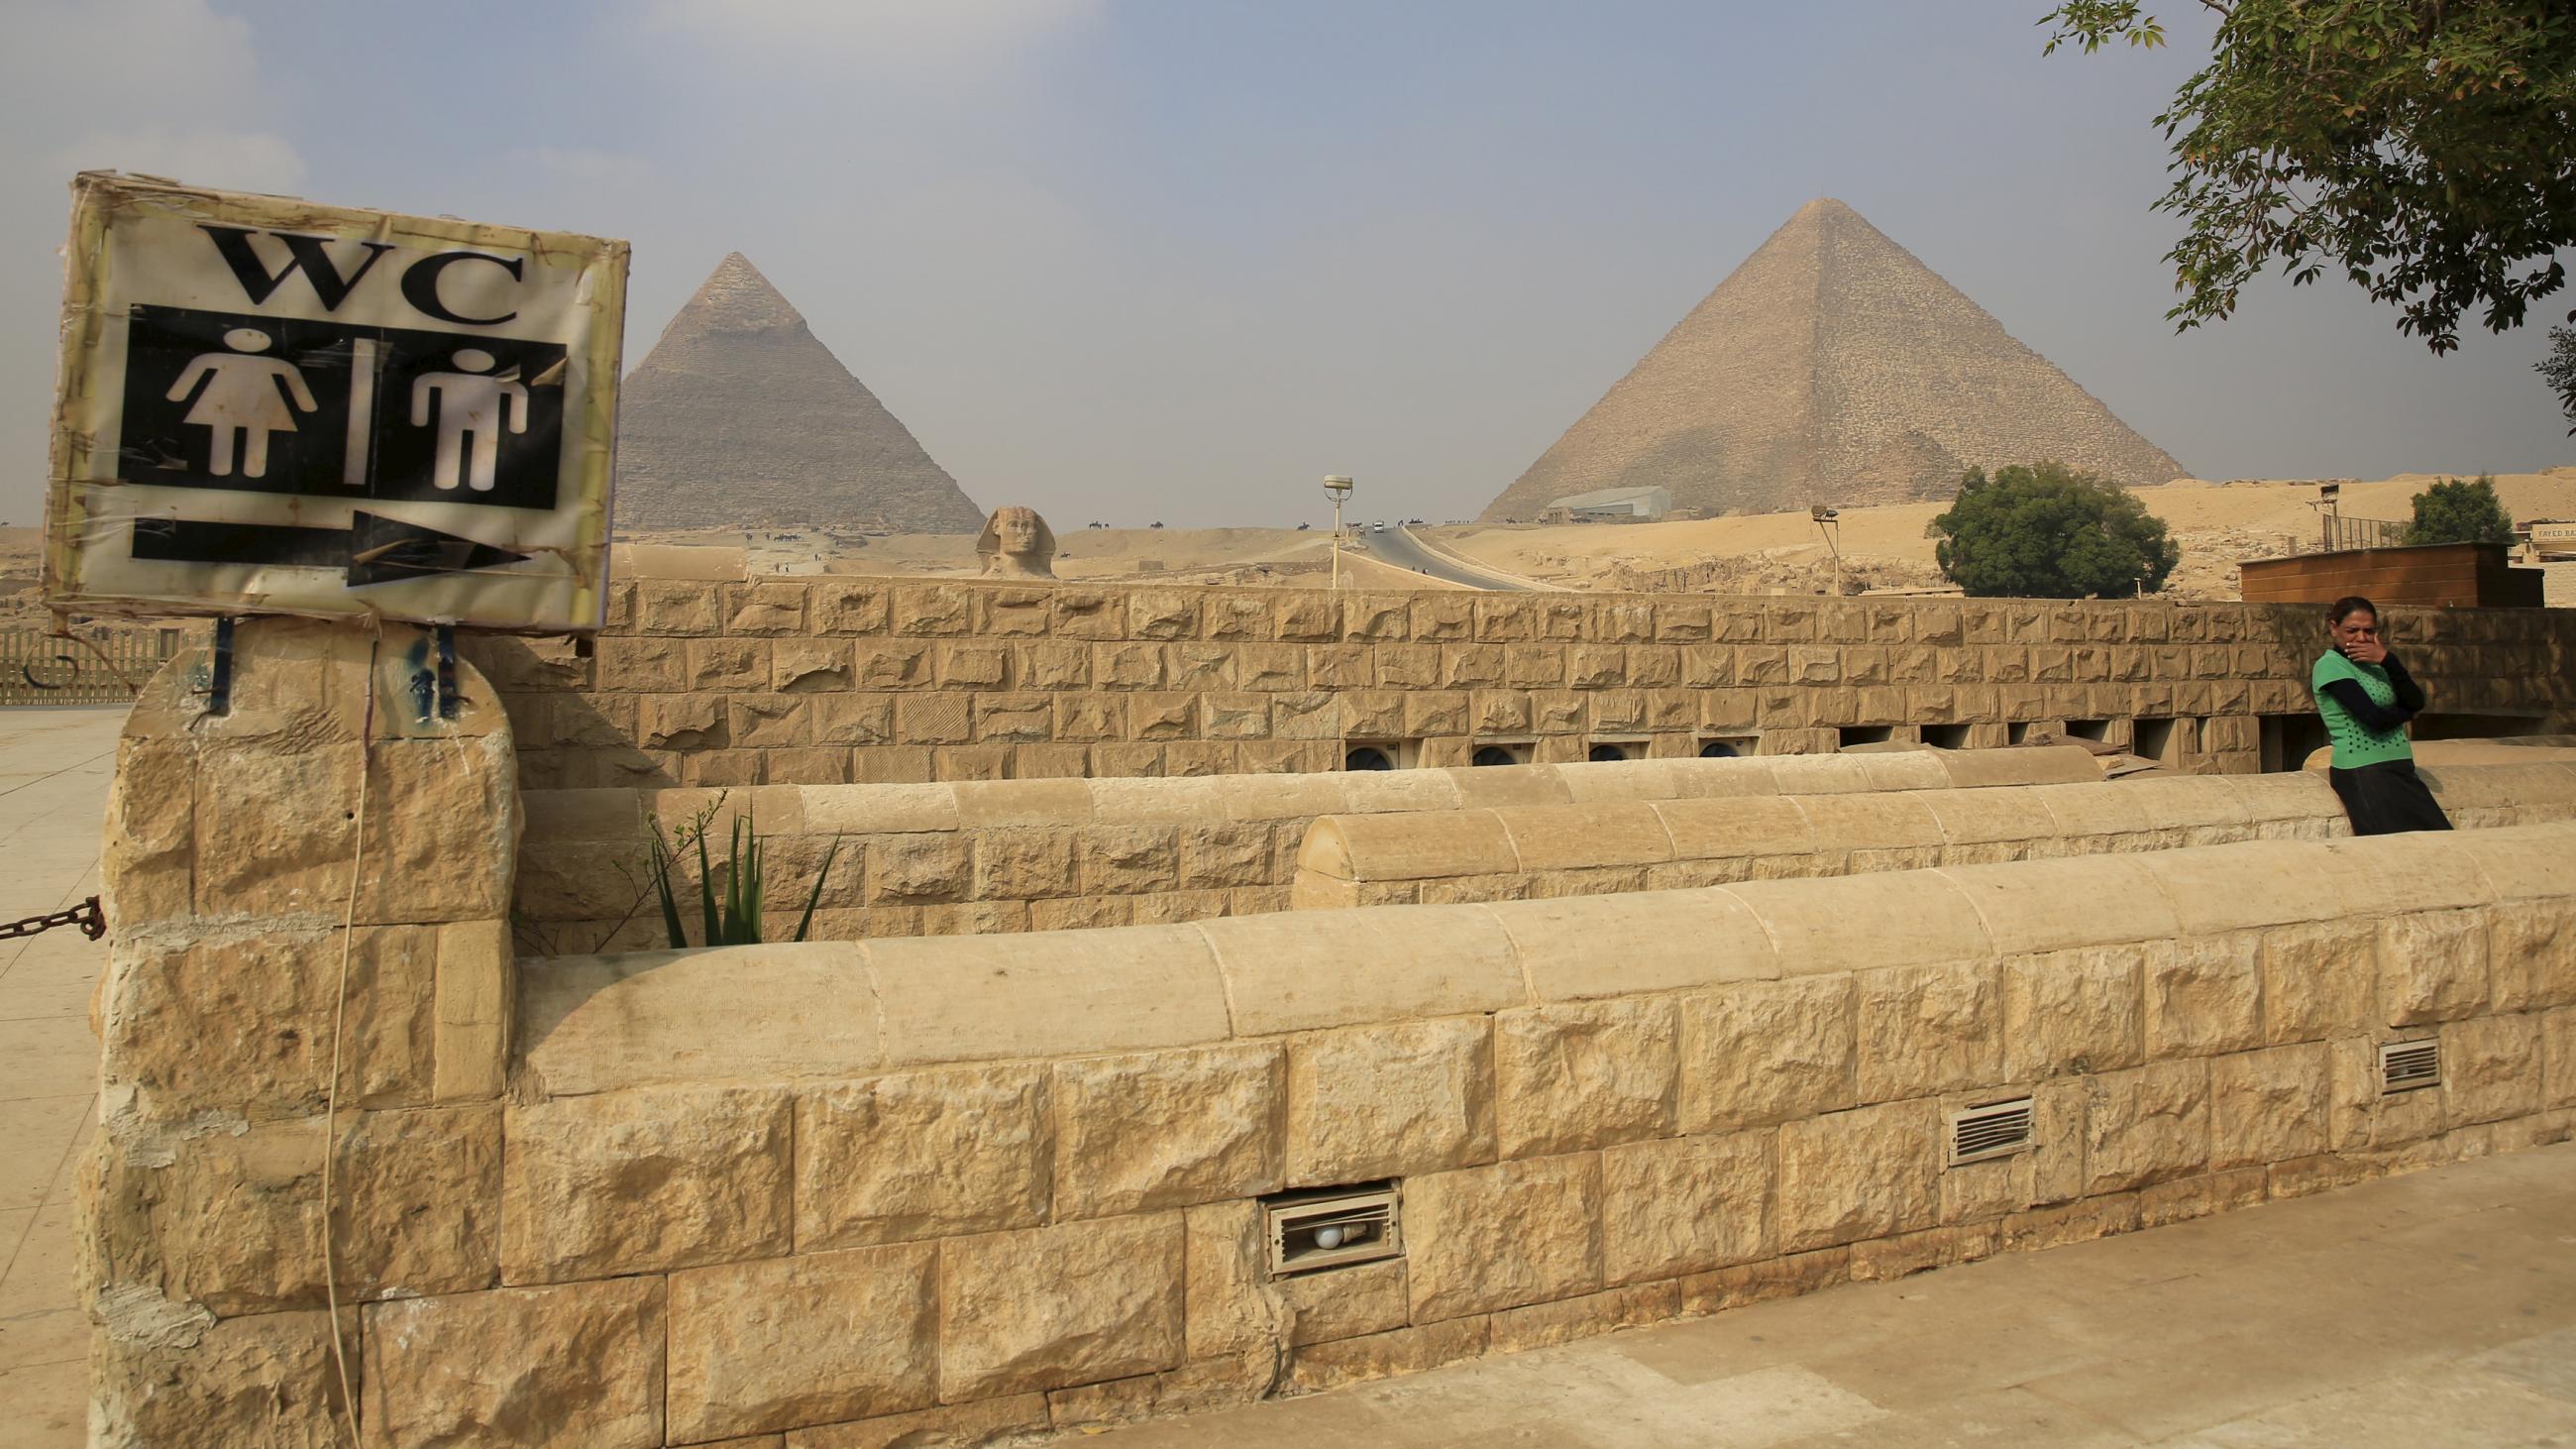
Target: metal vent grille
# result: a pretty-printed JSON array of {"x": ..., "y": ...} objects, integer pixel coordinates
[
  {"x": 1331, "y": 1227},
  {"x": 2407, "y": 1066},
  {"x": 1998, "y": 1129}
]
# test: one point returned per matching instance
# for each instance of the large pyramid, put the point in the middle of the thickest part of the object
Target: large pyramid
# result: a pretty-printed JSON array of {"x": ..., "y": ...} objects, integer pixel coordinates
[
  {"x": 1832, "y": 367},
  {"x": 739, "y": 417}
]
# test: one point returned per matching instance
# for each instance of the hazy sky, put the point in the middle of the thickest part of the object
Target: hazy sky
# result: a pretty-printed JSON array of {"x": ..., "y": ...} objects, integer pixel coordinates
[{"x": 1139, "y": 259}]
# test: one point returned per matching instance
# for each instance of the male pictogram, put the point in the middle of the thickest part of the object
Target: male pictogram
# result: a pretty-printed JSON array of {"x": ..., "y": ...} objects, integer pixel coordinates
[
  {"x": 242, "y": 403},
  {"x": 469, "y": 405}
]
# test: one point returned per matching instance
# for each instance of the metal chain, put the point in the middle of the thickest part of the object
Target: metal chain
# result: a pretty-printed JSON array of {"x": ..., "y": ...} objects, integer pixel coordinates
[{"x": 86, "y": 915}]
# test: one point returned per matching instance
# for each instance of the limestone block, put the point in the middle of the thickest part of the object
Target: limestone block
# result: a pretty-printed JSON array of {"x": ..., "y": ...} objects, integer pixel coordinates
[
  {"x": 1218, "y": 856},
  {"x": 265, "y": 1379},
  {"x": 1580, "y": 1075},
  {"x": 1419, "y": 845},
  {"x": 728, "y": 666},
  {"x": 2268, "y": 1106},
  {"x": 2558, "y": 1058},
  {"x": 922, "y": 1155},
  {"x": 1134, "y": 803},
  {"x": 1389, "y": 1101},
  {"x": 952, "y": 1426},
  {"x": 1229, "y": 1303},
  {"x": 2058, "y": 905},
  {"x": 1928, "y": 1029},
  {"x": 1760, "y": 1052},
  {"x": 1569, "y": 837},
  {"x": 2491, "y": 1069},
  {"x": 1167, "y": 1129},
  {"x": 239, "y": 1019},
  {"x": 2319, "y": 980},
  {"x": 476, "y": 985},
  {"x": 1066, "y": 993},
  {"x": 1685, "y": 1205},
  {"x": 892, "y": 665},
  {"x": 1969, "y": 817},
  {"x": 2069, "y": 1012},
  {"x": 2258, "y": 883},
  {"x": 1496, "y": 1237},
  {"x": 1379, "y": 1355},
  {"x": 1130, "y": 860},
  {"x": 1303, "y": 970},
  {"x": 1723, "y": 829},
  {"x": 2098, "y": 808},
  {"x": 1023, "y": 865},
  {"x": 2146, "y": 1125},
  {"x": 2417, "y": 872},
  {"x": 2359, "y": 1117},
  {"x": 853, "y": 719},
  {"x": 1049, "y": 1307},
  {"x": 233, "y": 1221},
  {"x": 2204, "y": 996},
  {"x": 599, "y": 1023},
  {"x": 813, "y": 1339},
  {"x": 147, "y": 870},
  {"x": 2531, "y": 955},
  {"x": 2432, "y": 967},
  {"x": 1860, "y": 922},
  {"x": 1865, "y": 1173},
  {"x": 644, "y": 1181},
  {"x": 578, "y": 1366},
  {"x": 273, "y": 831}
]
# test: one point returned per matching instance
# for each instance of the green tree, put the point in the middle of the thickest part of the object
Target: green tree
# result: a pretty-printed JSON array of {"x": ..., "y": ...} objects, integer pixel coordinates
[
  {"x": 2559, "y": 368},
  {"x": 2046, "y": 531},
  {"x": 2455, "y": 512},
  {"x": 2424, "y": 148}
]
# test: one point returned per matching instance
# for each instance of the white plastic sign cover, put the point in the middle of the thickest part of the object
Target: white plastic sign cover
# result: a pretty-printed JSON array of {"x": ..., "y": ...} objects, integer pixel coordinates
[{"x": 268, "y": 406}]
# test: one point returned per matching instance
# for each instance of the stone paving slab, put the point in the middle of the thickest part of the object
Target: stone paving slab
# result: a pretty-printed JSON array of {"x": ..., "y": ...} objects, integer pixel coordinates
[
  {"x": 54, "y": 770},
  {"x": 2431, "y": 1310}
]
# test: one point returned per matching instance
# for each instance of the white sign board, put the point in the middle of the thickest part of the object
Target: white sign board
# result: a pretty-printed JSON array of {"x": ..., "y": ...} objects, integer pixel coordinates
[{"x": 268, "y": 406}]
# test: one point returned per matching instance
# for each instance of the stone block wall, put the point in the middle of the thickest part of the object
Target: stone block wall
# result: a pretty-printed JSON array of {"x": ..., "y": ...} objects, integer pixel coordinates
[
  {"x": 231, "y": 845},
  {"x": 953, "y": 1188},
  {"x": 844, "y": 680},
  {"x": 1018, "y": 855},
  {"x": 1526, "y": 851}
]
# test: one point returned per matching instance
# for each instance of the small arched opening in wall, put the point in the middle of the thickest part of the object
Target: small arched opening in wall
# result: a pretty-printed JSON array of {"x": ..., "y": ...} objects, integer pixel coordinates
[
  {"x": 1380, "y": 754},
  {"x": 1728, "y": 747},
  {"x": 1604, "y": 751},
  {"x": 2096, "y": 730},
  {"x": 1946, "y": 736},
  {"x": 1865, "y": 735},
  {"x": 1500, "y": 752}
]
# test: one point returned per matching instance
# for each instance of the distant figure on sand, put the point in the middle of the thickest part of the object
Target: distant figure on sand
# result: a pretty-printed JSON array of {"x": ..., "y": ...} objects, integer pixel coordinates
[
  {"x": 1017, "y": 544},
  {"x": 2366, "y": 697},
  {"x": 243, "y": 402}
]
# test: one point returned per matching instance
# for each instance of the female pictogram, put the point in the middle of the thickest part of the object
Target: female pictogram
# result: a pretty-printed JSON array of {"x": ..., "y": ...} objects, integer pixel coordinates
[
  {"x": 469, "y": 403},
  {"x": 245, "y": 399}
]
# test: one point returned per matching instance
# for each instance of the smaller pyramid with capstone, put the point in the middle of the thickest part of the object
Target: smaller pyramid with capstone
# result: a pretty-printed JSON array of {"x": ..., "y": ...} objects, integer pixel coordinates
[{"x": 740, "y": 417}]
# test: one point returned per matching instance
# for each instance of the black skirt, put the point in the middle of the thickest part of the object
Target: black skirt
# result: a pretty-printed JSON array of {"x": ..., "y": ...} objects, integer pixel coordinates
[{"x": 2387, "y": 798}]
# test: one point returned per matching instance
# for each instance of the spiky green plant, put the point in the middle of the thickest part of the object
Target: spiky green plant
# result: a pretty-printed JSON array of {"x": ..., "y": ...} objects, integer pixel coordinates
[{"x": 731, "y": 916}]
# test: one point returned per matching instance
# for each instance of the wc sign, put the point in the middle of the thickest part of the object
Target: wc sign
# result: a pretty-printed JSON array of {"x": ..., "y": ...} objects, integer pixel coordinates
[{"x": 270, "y": 406}]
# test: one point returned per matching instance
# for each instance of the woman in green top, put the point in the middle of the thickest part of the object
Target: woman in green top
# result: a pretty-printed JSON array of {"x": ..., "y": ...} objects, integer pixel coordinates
[{"x": 2366, "y": 698}]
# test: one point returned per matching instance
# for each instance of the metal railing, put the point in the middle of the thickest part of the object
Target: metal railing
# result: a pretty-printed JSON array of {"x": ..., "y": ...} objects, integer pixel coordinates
[
  {"x": 92, "y": 666},
  {"x": 2341, "y": 533}
]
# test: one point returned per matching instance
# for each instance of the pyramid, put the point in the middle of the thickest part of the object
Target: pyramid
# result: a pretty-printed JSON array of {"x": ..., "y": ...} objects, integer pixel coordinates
[
  {"x": 739, "y": 417},
  {"x": 1831, "y": 367}
]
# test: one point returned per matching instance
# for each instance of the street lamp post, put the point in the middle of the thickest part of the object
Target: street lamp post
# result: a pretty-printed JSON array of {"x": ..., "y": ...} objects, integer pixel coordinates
[
  {"x": 1825, "y": 518},
  {"x": 1340, "y": 487}
]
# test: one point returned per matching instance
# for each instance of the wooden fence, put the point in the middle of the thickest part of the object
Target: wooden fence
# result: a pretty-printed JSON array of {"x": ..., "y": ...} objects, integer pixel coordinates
[{"x": 97, "y": 666}]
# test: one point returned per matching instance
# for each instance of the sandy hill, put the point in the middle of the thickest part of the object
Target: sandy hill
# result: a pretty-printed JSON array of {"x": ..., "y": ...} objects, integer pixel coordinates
[
  {"x": 2218, "y": 526},
  {"x": 1832, "y": 362}
]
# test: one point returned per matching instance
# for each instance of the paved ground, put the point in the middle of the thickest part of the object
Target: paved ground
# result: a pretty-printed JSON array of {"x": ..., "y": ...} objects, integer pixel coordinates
[
  {"x": 2432, "y": 1310},
  {"x": 2436, "y": 1309},
  {"x": 54, "y": 768}
]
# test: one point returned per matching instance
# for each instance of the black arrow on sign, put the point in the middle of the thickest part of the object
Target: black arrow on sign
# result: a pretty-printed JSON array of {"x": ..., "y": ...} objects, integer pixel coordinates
[{"x": 373, "y": 548}]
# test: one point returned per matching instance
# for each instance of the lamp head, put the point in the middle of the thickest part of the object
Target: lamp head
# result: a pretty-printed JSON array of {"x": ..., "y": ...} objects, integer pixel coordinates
[{"x": 1821, "y": 514}]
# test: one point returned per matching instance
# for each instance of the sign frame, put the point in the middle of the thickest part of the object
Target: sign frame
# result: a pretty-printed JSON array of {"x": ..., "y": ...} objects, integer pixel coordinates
[{"x": 389, "y": 498}]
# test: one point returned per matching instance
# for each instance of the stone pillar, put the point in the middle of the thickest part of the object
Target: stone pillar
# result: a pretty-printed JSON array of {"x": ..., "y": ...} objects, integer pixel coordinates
[{"x": 231, "y": 841}]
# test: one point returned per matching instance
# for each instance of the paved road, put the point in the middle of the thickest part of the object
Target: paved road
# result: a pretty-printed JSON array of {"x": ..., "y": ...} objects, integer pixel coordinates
[
  {"x": 54, "y": 770},
  {"x": 2432, "y": 1310},
  {"x": 1399, "y": 547}
]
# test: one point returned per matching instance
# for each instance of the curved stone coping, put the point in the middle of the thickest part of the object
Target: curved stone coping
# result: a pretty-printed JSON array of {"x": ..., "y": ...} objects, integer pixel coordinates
[
  {"x": 619, "y": 815},
  {"x": 1532, "y": 840},
  {"x": 591, "y": 1024},
  {"x": 2511, "y": 750}
]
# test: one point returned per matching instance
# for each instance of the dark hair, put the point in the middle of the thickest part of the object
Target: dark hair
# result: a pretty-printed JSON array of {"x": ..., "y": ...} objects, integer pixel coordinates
[{"x": 2348, "y": 605}]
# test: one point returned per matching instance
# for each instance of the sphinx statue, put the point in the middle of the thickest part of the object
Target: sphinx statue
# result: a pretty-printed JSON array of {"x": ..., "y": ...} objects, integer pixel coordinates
[{"x": 1017, "y": 544}]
